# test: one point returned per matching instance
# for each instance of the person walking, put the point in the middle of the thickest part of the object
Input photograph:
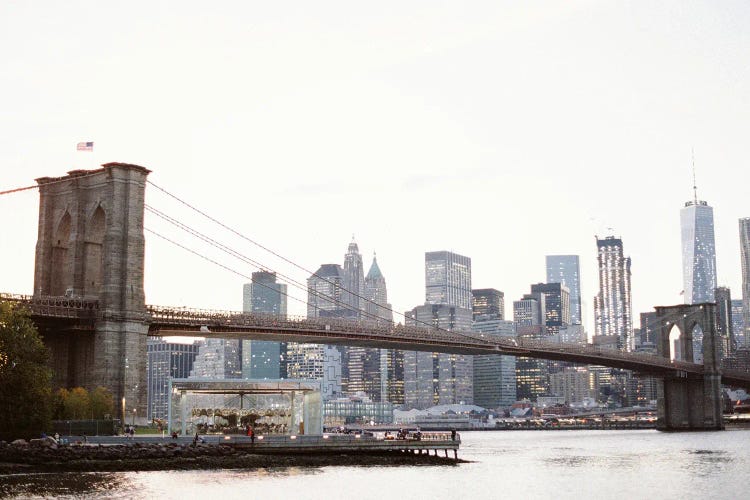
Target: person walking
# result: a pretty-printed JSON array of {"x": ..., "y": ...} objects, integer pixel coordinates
[{"x": 251, "y": 432}]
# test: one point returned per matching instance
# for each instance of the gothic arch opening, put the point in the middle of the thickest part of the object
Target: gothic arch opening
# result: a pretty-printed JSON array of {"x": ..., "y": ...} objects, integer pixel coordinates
[
  {"x": 676, "y": 352},
  {"x": 93, "y": 253},
  {"x": 61, "y": 272}
]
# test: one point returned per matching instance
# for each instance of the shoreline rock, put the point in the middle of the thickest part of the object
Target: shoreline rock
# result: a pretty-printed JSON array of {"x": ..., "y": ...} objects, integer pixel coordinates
[{"x": 149, "y": 457}]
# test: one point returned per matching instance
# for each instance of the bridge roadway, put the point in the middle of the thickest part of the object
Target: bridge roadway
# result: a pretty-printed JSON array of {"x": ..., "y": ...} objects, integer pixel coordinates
[{"x": 81, "y": 314}]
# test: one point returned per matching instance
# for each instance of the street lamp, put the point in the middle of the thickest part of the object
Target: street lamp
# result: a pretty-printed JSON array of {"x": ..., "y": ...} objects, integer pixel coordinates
[
  {"x": 123, "y": 412},
  {"x": 133, "y": 422}
]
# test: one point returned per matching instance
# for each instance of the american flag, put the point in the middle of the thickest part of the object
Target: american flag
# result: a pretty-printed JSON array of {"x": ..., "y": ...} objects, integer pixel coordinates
[{"x": 85, "y": 146}]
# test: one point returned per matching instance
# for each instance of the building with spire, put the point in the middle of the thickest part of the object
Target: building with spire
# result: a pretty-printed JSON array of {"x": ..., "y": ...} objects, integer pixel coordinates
[
  {"x": 384, "y": 368},
  {"x": 698, "y": 250},
  {"x": 354, "y": 279},
  {"x": 613, "y": 317}
]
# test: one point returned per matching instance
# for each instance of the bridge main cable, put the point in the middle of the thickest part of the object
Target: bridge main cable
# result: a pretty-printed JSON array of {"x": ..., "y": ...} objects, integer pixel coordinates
[{"x": 302, "y": 268}]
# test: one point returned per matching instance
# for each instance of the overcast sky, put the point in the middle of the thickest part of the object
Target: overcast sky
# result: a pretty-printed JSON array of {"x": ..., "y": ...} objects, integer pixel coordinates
[{"x": 504, "y": 131}]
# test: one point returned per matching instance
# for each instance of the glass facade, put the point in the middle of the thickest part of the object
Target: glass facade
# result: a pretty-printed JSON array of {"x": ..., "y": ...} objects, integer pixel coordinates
[
  {"x": 738, "y": 323},
  {"x": 340, "y": 412},
  {"x": 437, "y": 378},
  {"x": 566, "y": 270},
  {"x": 532, "y": 375},
  {"x": 556, "y": 312},
  {"x": 494, "y": 375},
  {"x": 262, "y": 359},
  {"x": 488, "y": 302},
  {"x": 165, "y": 360},
  {"x": 698, "y": 252},
  {"x": 448, "y": 279}
]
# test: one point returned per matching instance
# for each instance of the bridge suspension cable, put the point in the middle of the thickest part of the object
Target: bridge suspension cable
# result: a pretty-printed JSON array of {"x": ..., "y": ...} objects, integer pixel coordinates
[
  {"x": 262, "y": 247},
  {"x": 234, "y": 253},
  {"x": 302, "y": 268},
  {"x": 238, "y": 273},
  {"x": 47, "y": 183},
  {"x": 294, "y": 283}
]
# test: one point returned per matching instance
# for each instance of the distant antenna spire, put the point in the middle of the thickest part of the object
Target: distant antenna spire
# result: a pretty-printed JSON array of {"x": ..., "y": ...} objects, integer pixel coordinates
[{"x": 695, "y": 185}]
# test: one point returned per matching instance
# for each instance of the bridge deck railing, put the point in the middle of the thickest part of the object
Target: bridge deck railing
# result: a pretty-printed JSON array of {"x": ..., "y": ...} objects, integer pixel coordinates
[
  {"x": 193, "y": 319},
  {"x": 229, "y": 319},
  {"x": 55, "y": 306}
]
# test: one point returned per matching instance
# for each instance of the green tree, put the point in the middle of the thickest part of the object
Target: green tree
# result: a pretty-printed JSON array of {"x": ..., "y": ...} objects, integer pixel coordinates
[
  {"x": 58, "y": 404},
  {"x": 102, "y": 402},
  {"x": 78, "y": 404},
  {"x": 25, "y": 391}
]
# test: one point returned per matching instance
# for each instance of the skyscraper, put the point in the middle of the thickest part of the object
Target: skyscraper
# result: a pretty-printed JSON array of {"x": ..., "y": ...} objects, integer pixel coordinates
[
  {"x": 165, "y": 360},
  {"x": 433, "y": 378},
  {"x": 532, "y": 375},
  {"x": 528, "y": 311},
  {"x": 354, "y": 279},
  {"x": 724, "y": 330},
  {"x": 612, "y": 306},
  {"x": 745, "y": 260},
  {"x": 357, "y": 372},
  {"x": 649, "y": 327},
  {"x": 325, "y": 299},
  {"x": 566, "y": 269},
  {"x": 383, "y": 368},
  {"x": 447, "y": 279},
  {"x": 738, "y": 323},
  {"x": 262, "y": 359},
  {"x": 218, "y": 358},
  {"x": 494, "y": 375},
  {"x": 325, "y": 294},
  {"x": 488, "y": 302},
  {"x": 556, "y": 312},
  {"x": 438, "y": 378},
  {"x": 698, "y": 252}
]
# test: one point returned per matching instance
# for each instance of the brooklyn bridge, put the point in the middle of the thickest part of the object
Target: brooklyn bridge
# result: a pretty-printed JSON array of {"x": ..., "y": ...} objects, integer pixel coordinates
[{"x": 89, "y": 305}]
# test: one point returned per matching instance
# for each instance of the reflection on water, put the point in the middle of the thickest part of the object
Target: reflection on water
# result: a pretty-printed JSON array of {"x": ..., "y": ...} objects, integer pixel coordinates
[
  {"x": 707, "y": 463},
  {"x": 135, "y": 484},
  {"x": 530, "y": 464},
  {"x": 60, "y": 485}
]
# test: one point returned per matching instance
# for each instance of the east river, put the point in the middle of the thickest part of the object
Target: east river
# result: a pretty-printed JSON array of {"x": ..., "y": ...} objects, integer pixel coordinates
[{"x": 504, "y": 464}]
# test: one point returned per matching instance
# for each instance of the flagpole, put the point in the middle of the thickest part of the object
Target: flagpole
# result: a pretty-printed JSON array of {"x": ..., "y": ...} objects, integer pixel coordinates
[{"x": 86, "y": 147}]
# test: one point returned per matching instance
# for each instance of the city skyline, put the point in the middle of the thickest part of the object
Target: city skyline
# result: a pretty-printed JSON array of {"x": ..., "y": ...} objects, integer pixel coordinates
[{"x": 389, "y": 123}]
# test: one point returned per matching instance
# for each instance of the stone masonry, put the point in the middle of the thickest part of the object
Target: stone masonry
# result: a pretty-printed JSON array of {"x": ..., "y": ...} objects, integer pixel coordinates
[
  {"x": 91, "y": 245},
  {"x": 686, "y": 401}
]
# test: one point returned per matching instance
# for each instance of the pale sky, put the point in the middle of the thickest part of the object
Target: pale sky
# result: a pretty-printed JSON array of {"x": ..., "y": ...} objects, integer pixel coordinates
[{"x": 504, "y": 131}]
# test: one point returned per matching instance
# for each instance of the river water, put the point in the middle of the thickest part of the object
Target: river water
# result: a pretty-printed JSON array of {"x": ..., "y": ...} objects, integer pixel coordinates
[{"x": 505, "y": 464}]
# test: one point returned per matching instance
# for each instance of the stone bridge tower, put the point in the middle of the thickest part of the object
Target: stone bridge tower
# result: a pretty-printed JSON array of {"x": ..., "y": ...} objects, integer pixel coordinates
[
  {"x": 686, "y": 401},
  {"x": 91, "y": 246}
]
